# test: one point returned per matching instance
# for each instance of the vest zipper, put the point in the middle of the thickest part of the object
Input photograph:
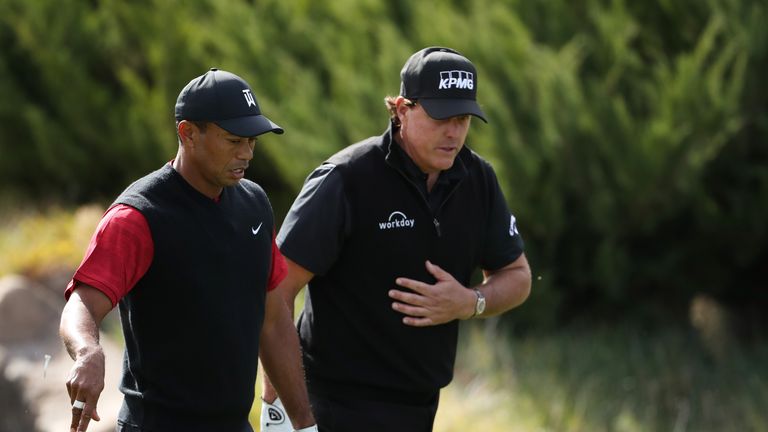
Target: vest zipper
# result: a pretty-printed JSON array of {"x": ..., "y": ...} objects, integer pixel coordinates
[
  {"x": 423, "y": 199},
  {"x": 440, "y": 208},
  {"x": 435, "y": 222}
]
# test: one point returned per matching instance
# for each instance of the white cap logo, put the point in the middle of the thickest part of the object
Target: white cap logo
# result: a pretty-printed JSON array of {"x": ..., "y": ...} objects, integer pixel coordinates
[
  {"x": 249, "y": 97},
  {"x": 456, "y": 79},
  {"x": 513, "y": 226}
]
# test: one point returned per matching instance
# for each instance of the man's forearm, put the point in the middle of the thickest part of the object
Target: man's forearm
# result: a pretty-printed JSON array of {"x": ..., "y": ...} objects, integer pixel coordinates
[
  {"x": 79, "y": 328},
  {"x": 506, "y": 288},
  {"x": 269, "y": 393},
  {"x": 281, "y": 357},
  {"x": 296, "y": 279}
]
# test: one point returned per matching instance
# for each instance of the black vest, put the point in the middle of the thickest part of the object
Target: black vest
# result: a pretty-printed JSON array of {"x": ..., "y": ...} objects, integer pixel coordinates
[
  {"x": 192, "y": 323},
  {"x": 350, "y": 334}
]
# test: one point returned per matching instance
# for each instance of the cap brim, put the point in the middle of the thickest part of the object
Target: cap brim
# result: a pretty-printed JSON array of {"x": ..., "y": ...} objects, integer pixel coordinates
[
  {"x": 249, "y": 126},
  {"x": 441, "y": 109}
]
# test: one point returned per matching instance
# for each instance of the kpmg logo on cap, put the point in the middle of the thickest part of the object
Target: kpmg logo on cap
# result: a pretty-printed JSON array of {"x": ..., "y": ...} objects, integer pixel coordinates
[
  {"x": 249, "y": 97},
  {"x": 456, "y": 79}
]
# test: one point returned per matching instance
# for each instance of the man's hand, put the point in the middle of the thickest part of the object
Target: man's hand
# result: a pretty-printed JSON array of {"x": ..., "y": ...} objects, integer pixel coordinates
[
  {"x": 429, "y": 305},
  {"x": 85, "y": 384},
  {"x": 273, "y": 418}
]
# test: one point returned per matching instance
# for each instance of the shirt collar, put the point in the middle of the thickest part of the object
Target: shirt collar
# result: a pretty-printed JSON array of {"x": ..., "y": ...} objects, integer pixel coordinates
[{"x": 399, "y": 159}]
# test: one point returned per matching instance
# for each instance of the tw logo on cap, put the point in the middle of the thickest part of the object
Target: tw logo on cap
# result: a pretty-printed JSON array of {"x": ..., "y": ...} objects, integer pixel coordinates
[
  {"x": 249, "y": 97},
  {"x": 456, "y": 79}
]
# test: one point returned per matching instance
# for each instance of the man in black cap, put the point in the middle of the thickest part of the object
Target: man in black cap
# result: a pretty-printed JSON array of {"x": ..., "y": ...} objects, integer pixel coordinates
[
  {"x": 188, "y": 254},
  {"x": 387, "y": 233}
]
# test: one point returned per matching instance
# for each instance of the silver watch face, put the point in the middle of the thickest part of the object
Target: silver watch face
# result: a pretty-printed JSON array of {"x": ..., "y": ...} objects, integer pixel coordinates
[{"x": 480, "y": 305}]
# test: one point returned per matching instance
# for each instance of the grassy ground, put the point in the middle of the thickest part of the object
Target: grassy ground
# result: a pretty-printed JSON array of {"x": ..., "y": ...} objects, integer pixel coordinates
[
  {"x": 599, "y": 379},
  {"x": 616, "y": 379}
]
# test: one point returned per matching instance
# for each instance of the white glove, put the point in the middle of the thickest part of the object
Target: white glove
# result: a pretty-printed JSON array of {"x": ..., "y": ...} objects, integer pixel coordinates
[{"x": 273, "y": 418}]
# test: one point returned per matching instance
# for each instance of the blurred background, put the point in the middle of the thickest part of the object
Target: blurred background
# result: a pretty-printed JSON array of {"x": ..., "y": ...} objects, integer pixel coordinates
[{"x": 630, "y": 139}]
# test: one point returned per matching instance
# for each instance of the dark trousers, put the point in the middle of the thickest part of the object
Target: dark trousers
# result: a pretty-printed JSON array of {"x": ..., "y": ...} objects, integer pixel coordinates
[
  {"x": 354, "y": 415},
  {"x": 137, "y": 415},
  {"x": 123, "y": 427}
]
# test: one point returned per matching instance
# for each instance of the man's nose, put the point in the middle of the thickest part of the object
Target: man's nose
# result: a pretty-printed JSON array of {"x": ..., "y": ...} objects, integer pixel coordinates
[
  {"x": 454, "y": 127},
  {"x": 245, "y": 151}
]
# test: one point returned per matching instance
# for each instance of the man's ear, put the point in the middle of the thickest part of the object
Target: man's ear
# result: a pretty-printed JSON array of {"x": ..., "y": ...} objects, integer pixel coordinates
[
  {"x": 401, "y": 107},
  {"x": 187, "y": 132}
]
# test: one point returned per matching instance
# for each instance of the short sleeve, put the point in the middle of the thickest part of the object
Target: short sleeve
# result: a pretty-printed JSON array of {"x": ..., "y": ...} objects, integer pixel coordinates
[
  {"x": 313, "y": 231},
  {"x": 503, "y": 243},
  {"x": 279, "y": 267},
  {"x": 118, "y": 255}
]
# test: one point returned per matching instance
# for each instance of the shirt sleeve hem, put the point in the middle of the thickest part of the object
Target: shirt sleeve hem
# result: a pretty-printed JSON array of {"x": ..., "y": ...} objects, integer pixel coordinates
[{"x": 80, "y": 278}]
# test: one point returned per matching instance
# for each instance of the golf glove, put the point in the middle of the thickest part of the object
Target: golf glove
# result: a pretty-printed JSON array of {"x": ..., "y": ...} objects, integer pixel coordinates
[{"x": 273, "y": 417}]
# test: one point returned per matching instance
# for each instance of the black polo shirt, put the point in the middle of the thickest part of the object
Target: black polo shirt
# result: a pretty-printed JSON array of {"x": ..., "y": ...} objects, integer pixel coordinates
[
  {"x": 365, "y": 218},
  {"x": 320, "y": 213}
]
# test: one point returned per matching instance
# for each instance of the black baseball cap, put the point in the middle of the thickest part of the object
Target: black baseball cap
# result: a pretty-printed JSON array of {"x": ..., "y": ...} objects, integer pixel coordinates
[
  {"x": 443, "y": 81},
  {"x": 225, "y": 99}
]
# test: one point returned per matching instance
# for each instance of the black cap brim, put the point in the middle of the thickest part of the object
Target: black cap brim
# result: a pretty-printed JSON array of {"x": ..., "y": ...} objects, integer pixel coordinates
[
  {"x": 249, "y": 126},
  {"x": 441, "y": 109}
]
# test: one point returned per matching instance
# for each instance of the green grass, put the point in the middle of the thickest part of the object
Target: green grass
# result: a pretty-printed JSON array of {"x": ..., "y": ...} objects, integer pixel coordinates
[
  {"x": 616, "y": 379},
  {"x": 612, "y": 379}
]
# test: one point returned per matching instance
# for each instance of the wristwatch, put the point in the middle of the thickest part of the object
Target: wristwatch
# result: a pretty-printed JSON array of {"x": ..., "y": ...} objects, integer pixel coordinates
[{"x": 479, "y": 304}]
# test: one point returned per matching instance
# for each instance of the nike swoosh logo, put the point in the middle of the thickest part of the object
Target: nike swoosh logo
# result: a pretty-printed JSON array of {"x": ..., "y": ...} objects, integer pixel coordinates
[{"x": 256, "y": 230}]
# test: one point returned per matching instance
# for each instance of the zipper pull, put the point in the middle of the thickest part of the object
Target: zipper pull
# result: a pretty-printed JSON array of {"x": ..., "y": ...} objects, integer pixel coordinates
[{"x": 437, "y": 226}]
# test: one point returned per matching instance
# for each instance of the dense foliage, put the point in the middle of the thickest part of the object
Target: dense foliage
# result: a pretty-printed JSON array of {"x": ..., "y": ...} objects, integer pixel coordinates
[{"x": 629, "y": 137}]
